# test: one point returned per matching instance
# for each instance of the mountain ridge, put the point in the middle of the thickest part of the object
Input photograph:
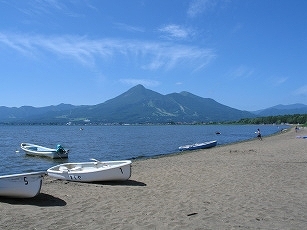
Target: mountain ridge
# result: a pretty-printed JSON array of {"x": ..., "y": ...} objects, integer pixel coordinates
[
  {"x": 136, "y": 105},
  {"x": 280, "y": 109}
]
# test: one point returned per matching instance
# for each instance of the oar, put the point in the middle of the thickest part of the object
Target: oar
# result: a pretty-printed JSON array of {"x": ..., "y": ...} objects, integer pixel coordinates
[
  {"x": 98, "y": 162},
  {"x": 93, "y": 159}
]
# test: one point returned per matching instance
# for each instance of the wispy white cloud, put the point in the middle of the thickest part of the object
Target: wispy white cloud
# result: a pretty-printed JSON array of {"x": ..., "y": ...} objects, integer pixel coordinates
[
  {"x": 237, "y": 28},
  {"x": 135, "y": 81},
  {"x": 173, "y": 31},
  {"x": 42, "y": 7},
  {"x": 199, "y": 6},
  {"x": 302, "y": 91},
  {"x": 123, "y": 26},
  {"x": 241, "y": 72},
  {"x": 146, "y": 55},
  {"x": 280, "y": 80},
  {"x": 50, "y": 7},
  {"x": 168, "y": 56},
  {"x": 19, "y": 44}
]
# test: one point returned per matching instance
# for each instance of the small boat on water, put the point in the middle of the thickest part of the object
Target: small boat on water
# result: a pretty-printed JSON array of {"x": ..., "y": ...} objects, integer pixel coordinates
[
  {"x": 92, "y": 171},
  {"x": 23, "y": 185},
  {"x": 204, "y": 145},
  {"x": 37, "y": 150}
]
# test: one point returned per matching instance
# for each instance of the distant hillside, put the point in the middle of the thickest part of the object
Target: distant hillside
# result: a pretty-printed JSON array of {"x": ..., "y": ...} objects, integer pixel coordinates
[
  {"x": 282, "y": 110},
  {"x": 29, "y": 113},
  {"x": 137, "y": 105}
]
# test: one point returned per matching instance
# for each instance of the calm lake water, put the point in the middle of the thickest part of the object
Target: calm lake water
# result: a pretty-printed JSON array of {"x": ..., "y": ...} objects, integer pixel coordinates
[{"x": 112, "y": 142}]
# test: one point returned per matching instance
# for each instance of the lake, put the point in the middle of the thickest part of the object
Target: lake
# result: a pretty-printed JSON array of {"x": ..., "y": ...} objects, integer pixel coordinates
[{"x": 112, "y": 142}]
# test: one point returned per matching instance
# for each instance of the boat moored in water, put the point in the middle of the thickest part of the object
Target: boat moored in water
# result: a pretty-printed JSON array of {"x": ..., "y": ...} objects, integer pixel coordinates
[{"x": 37, "y": 150}]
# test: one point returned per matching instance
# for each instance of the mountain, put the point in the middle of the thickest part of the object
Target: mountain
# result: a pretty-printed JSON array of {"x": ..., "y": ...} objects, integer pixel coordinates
[
  {"x": 282, "y": 110},
  {"x": 140, "y": 105},
  {"x": 137, "y": 105}
]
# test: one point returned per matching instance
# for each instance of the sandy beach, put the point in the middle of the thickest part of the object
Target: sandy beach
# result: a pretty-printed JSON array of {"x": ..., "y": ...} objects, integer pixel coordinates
[{"x": 248, "y": 185}]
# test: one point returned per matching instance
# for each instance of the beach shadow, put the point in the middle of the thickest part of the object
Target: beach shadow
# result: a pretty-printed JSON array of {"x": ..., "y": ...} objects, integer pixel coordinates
[
  {"x": 121, "y": 183},
  {"x": 41, "y": 200}
]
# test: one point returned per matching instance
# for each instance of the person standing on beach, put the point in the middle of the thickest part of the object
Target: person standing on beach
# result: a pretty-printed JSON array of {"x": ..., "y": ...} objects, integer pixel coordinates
[
  {"x": 296, "y": 129},
  {"x": 259, "y": 134}
]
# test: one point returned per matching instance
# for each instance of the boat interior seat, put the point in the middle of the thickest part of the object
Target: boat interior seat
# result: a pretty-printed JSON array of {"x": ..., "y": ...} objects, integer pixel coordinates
[
  {"x": 76, "y": 168},
  {"x": 63, "y": 168},
  {"x": 32, "y": 148}
]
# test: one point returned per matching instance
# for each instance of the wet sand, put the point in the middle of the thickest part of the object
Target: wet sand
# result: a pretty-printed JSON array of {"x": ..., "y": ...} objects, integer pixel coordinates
[{"x": 248, "y": 185}]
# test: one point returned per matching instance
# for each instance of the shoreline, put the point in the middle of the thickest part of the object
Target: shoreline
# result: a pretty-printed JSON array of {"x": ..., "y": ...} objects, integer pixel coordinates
[
  {"x": 251, "y": 184},
  {"x": 217, "y": 146}
]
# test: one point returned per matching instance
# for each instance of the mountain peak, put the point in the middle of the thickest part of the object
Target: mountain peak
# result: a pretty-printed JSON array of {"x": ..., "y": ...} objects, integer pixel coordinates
[
  {"x": 137, "y": 88},
  {"x": 185, "y": 93}
]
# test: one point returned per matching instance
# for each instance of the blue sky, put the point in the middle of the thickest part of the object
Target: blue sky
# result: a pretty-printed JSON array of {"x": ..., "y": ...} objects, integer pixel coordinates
[{"x": 246, "y": 54}]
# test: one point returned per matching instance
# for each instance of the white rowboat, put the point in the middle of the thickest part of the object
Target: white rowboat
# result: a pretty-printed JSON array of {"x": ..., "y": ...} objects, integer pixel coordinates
[
  {"x": 37, "y": 150},
  {"x": 92, "y": 171},
  {"x": 23, "y": 185}
]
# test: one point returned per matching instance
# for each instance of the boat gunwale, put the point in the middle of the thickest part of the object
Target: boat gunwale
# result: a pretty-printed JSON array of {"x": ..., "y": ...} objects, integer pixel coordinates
[
  {"x": 24, "y": 174},
  {"x": 26, "y": 146}
]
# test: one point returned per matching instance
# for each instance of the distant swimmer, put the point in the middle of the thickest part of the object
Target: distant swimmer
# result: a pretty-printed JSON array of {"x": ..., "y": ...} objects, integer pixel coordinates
[{"x": 217, "y": 132}]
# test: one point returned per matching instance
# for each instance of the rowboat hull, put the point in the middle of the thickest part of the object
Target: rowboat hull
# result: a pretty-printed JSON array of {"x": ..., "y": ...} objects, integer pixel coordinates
[
  {"x": 204, "y": 145},
  {"x": 92, "y": 171},
  {"x": 36, "y": 150},
  {"x": 24, "y": 185}
]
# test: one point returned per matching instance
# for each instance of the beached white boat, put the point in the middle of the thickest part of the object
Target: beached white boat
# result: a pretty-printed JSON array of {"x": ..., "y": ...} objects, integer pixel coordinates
[
  {"x": 36, "y": 150},
  {"x": 92, "y": 171},
  {"x": 204, "y": 145},
  {"x": 23, "y": 185}
]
